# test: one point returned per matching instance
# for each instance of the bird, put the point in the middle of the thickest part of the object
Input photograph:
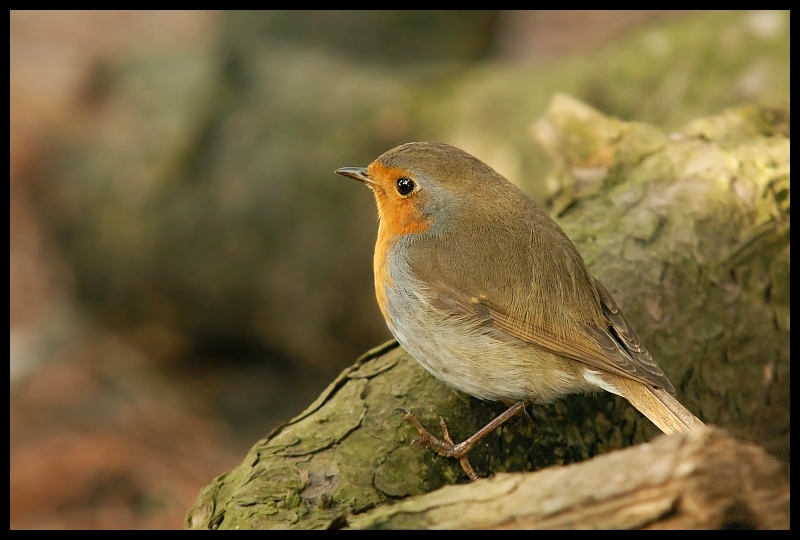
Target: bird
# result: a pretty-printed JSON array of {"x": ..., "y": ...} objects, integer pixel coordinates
[{"x": 485, "y": 290}]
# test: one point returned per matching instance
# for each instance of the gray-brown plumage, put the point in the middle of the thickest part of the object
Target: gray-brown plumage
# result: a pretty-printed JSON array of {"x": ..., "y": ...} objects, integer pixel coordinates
[{"x": 488, "y": 293}]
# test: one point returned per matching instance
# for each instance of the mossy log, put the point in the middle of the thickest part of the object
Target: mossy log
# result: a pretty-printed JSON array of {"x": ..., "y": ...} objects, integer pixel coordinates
[{"x": 699, "y": 480}]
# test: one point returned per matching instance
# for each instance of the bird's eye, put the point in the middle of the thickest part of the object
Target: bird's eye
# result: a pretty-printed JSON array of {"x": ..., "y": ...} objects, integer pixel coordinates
[{"x": 405, "y": 186}]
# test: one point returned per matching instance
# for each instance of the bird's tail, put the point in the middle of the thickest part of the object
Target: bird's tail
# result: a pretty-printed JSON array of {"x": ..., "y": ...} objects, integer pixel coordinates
[{"x": 657, "y": 405}]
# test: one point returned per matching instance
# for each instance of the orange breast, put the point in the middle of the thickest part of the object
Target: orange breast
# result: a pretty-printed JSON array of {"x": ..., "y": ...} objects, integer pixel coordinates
[{"x": 398, "y": 216}]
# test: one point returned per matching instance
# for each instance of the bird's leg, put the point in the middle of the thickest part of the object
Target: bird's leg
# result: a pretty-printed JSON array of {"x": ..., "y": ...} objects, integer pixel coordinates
[
  {"x": 508, "y": 403},
  {"x": 446, "y": 447}
]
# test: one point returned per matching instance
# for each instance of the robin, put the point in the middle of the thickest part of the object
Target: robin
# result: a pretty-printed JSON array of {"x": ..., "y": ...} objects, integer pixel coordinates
[{"x": 487, "y": 292}]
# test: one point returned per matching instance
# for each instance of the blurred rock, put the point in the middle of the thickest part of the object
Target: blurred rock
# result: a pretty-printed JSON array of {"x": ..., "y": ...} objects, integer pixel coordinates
[
  {"x": 57, "y": 73},
  {"x": 382, "y": 37},
  {"x": 99, "y": 441},
  {"x": 541, "y": 33}
]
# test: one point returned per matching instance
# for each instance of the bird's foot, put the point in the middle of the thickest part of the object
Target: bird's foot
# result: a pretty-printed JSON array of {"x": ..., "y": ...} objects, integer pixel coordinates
[
  {"x": 447, "y": 448},
  {"x": 444, "y": 447}
]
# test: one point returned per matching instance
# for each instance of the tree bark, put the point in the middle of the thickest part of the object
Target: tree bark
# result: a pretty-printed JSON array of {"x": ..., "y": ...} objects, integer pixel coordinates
[{"x": 698, "y": 480}]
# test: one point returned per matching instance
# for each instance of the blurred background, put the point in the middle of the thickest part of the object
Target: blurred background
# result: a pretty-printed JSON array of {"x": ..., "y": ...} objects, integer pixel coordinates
[{"x": 186, "y": 271}]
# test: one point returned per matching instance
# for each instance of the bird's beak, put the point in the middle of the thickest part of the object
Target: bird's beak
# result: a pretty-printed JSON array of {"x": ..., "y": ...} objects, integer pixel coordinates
[{"x": 356, "y": 173}]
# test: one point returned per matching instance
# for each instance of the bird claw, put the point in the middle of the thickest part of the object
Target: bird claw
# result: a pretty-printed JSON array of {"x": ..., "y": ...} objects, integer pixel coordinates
[{"x": 445, "y": 448}]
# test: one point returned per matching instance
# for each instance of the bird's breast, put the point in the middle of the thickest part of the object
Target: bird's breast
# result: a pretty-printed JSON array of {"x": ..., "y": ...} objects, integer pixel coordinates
[
  {"x": 397, "y": 221},
  {"x": 458, "y": 351}
]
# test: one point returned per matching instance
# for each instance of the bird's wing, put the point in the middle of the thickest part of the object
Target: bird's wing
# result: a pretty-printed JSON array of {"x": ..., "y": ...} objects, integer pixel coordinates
[
  {"x": 597, "y": 348},
  {"x": 619, "y": 333},
  {"x": 558, "y": 306}
]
